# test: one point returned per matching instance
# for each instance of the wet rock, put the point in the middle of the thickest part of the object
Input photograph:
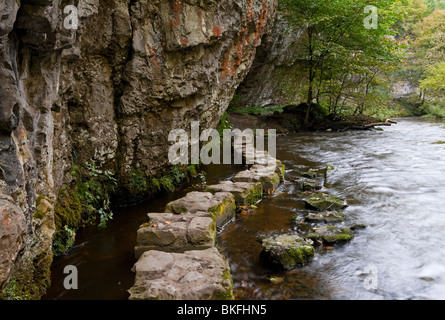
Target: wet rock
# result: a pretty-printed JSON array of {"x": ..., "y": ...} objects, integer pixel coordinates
[
  {"x": 266, "y": 175},
  {"x": 305, "y": 184},
  {"x": 359, "y": 226},
  {"x": 193, "y": 275},
  {"x": 245, "y": 193},
  {"x": 309, "y": 174},
  {"x": 221, "y": 205},
  {"x": 287, "y": 251},
  {"x": 325, "y": 216},
  {"x": 324, "y": 201},
  {"x": 175, "y": 233},
  {"x": 330, "y": 234}
]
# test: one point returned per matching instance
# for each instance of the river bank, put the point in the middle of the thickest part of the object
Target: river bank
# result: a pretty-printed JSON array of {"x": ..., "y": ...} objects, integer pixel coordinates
[{"x": 291, "y": 120}]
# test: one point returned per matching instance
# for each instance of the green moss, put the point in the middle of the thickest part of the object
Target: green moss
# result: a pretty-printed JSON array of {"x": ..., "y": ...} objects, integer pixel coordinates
[
  {"x": 225, "y": 294},
  {"x": 63, "y": 240},
  {"x": 331, "y": 234},
  {"x": 255, "y": 195},
  {"x": 13, "y": 291},
  {"x": 39, "y": 214},
  {"x": 68, "y": 210},
  {"x": 323, "y": 201},
  {"x": 32, "y": 283}
]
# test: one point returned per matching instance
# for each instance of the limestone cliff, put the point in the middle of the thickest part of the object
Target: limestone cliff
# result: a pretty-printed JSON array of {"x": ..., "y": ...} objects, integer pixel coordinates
[
  {"x": 108, "y": 93},
  {"x": 277, "y": 74}
]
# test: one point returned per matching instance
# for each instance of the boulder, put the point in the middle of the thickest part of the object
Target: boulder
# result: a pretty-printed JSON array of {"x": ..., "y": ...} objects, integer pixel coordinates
[
  {"x": 287, "y": 251},
  {"x": 221, "y": 206},
  {"x": 324, "y": 201},
  {"x": 192, "y": 275},
  {"x": 175, "y": 233},
  {"x": 245, "y": 193},
  {"x": 330, "y": 234}
]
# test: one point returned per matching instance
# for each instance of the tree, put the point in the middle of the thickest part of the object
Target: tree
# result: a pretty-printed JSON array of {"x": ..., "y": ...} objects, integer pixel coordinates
[{"x": 338, "y": 50}]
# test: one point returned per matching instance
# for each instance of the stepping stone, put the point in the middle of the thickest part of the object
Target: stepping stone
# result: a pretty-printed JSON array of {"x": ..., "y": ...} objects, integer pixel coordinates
[
  {"x": 267, "y": 176},
  {"x": 175, "y": 233},
  {"x": 326, "y": 216},
  {"x": 287, "y": 251},
  {"x": 221, "y": 206},
  {"x": 268, "y": 160},
  {"x": 305, "y": 184},
  {"x": 324, "y": 201},
  {"x": 192, "y": 275},
  {"x": 330, "y": 235},
  {"x": 245, "y": 193}
]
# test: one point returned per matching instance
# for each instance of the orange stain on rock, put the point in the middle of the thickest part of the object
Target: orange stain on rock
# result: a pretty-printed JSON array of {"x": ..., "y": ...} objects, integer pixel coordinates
[
  {"x": 176, "y": 8},
  {"x": 217, "y": 31}
]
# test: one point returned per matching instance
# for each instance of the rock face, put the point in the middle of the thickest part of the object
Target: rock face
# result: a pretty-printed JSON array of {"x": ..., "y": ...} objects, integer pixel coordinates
[
  {"x": 276, "y": 75},
  {"x": 193, "y": 275},
  {"x": 107, "y": 92},
  {"x": 13, "y": 231}
]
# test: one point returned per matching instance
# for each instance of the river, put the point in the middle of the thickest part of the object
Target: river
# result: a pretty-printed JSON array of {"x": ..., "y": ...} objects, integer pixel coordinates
[{"x": 393, "y": 181}]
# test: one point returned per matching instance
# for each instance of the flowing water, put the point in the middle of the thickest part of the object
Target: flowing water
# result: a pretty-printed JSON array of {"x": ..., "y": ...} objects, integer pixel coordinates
[{"x": 394, "y": 182}]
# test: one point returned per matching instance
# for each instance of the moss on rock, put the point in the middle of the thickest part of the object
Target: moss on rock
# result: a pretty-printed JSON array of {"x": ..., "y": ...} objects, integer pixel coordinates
[
  {"x": 324, "y": 201},
  {"x": 287, "y": 251},
  {"x": 330, "y": 234}
]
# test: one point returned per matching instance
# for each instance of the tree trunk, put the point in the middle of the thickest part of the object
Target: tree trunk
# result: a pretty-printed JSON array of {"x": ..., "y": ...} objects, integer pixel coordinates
[{"x": 311, "y": 78}]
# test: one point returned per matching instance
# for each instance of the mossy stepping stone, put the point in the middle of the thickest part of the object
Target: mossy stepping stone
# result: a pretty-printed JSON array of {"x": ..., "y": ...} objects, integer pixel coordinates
[
  {"x": 325, "y": 216},
  {"x": 246, "y": 193},
  {"x": 266, "y": 175},
  {"x": 220, "y": 206},
  {"x": 287, "y": 251},
  {"x": 323, "y": 201},
  {"x": 330, "y": 234}
]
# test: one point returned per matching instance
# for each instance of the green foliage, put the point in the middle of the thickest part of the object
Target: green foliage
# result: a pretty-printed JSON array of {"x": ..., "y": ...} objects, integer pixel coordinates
[
  {"x": 85, "y": 202},
  {"x": 224, "y": 124},
  {"x": 344, "y": 63}
]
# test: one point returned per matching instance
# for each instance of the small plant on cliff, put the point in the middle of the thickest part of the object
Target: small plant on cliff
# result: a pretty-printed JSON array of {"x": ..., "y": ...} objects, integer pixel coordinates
[
  {"x": 87, "y": 200},
  {"x": 95, "y": 189}
]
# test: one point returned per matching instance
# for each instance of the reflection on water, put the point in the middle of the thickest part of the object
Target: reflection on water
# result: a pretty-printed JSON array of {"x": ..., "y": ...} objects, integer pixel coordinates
[{"x": 394, "y": 181}]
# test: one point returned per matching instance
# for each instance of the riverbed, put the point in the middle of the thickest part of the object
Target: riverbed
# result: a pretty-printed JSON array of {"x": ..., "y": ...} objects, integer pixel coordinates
[{"x": 393, "y": 181}]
